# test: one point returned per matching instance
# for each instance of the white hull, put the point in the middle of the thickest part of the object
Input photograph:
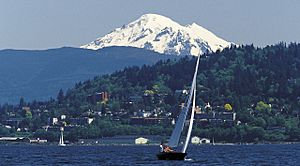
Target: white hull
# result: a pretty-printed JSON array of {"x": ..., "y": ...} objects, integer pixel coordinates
[{"x": 61, "y": 144}]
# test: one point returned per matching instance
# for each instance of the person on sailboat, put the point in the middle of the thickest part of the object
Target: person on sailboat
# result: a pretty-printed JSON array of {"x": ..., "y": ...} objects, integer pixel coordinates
[
  {"x": 161, "y": 146},
  {"x": 165, "y": 148},
  {"x": 168, "y": 149}
]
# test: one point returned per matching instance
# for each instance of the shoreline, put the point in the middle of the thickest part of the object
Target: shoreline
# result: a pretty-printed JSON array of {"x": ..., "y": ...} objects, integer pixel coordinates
[
  {"x": 150, "y": 144},
  {"x": 129, "y": 140}
]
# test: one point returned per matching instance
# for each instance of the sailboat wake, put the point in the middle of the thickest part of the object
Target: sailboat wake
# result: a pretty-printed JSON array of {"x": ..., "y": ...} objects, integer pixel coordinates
[{"x": 188, "y": 159}]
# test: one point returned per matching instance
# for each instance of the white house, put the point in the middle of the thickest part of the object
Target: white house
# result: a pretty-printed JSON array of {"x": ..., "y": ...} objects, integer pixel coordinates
[
  {"x": 204, "y": 141},
  {"x": 90, "y": 120},
  {"x": 63, "y": 117},
  {"x": 141, "y": 140},
  {"x": 54, "y": 121},
  {"x": 195, "y": 140}
]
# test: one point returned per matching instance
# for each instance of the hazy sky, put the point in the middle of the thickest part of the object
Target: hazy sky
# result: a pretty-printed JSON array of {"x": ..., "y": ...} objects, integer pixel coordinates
[{"x": 42, "y": 24}]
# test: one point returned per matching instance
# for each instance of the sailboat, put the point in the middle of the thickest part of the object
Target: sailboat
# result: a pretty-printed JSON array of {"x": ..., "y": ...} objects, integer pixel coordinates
[
  {"x": 180, "y": 154},
  {"x": 61, "y": 138}
]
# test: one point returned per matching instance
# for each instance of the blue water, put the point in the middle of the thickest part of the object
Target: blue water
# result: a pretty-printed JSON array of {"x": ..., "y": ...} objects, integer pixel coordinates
[{"x": 145, "y": 155}]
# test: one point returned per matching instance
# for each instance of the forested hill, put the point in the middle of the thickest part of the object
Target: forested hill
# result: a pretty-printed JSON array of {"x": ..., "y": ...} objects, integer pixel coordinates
[
  {"x": 241, "y": 76},
  {"x": 261, "y": 85}
]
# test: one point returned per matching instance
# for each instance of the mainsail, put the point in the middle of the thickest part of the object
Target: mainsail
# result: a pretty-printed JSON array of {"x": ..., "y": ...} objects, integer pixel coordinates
[
  {"x": 61, "y": 138},
  {"x": 174, "y": 139},
  {"x": 191, "y": 124}
]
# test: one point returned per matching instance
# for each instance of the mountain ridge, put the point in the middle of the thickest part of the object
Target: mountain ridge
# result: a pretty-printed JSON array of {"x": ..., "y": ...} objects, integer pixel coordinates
[{"x": 39, "y": 74}]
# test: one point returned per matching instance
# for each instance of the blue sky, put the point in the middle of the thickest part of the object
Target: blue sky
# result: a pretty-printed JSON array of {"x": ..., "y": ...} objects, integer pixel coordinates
[{"x": 42, "y": 24}]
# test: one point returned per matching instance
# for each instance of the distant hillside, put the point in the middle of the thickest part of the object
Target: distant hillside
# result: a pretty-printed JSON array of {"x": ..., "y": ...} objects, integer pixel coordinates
[{"x": 40, "y": 74}]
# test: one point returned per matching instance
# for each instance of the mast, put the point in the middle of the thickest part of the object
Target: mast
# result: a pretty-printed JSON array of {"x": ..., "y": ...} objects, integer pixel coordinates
[
  {"x": 174, "y": 139},
  {"x": 191, "y": 123}
]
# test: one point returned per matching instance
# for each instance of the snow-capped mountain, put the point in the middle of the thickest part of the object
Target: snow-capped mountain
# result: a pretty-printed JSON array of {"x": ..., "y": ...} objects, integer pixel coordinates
[{"x": 163, "y": 35}]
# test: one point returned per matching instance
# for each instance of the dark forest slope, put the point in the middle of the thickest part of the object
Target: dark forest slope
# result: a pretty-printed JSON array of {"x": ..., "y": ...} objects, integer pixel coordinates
[{"x": 40, "y": 74}]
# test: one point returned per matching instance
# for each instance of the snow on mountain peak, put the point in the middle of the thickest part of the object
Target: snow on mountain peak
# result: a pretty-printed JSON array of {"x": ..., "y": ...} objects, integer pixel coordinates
[{"x": 163, "y": 35}]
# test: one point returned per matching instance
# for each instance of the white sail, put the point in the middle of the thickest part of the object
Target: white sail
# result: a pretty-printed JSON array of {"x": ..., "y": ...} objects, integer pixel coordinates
[
  {"x": 61, "y": 138},
  {"x": 191, "y": 123},
  {"x": 174, "y": 139}
]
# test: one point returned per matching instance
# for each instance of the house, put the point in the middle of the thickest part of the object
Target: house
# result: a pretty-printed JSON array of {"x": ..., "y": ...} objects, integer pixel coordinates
[
  {"x": 98, "y": 97},
  {"x": 226, "y": 116},
  {"x": 195, "y": 140},
  {"x": 142, "y": 113},
  {"x": 12, "y": 122},
  {"x": 141, "y": 141},
  {"x": 26, "y": 108},
  {"x": 180, "y": 92},
  {"x": 80, "y": 121},
  {"x": 63, "y": 117},
  {"x": 149, "y": 121},
  {"x": 51, "y": 128},
  {"x": 136, "y": 99},
  {"x": 90, "y": 120},
  {"x": 215, "y": 118},
  {"x": 200, "y": 116},
  {"x": 53, "y": 121},
  {"x": 204, "y": 141},
  {"x": 38, "y": 141}
]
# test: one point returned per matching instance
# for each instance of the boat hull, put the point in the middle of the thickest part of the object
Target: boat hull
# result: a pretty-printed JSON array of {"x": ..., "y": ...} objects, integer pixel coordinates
[{"x": 171, "y": 156}]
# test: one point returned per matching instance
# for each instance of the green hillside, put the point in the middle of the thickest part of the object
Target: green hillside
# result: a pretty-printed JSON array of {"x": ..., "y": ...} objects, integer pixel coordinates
[{"x": 261, "y": 85}]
